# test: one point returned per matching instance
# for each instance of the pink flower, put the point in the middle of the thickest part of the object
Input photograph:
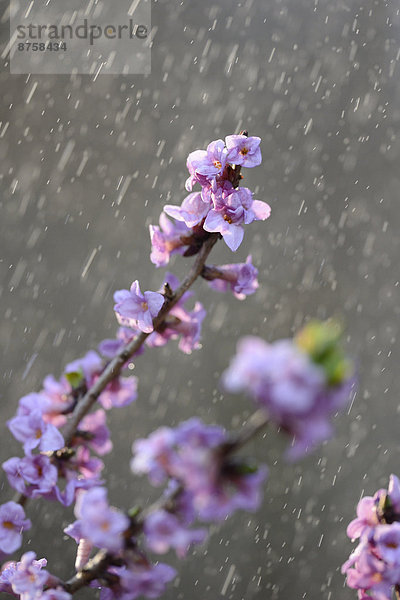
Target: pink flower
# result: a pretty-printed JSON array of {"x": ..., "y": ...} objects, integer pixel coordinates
[
  {"x": 163, "y": 530},
  {"x": 192, "y": 211},
  {"x": 166, "y": 239},
  {"x": 12, "y": 524},
  {"x": 98, "y": 522},
  {"x": 33, "y": 432},
  {"x": 133, "y": 307},
  {"x": 243, "y": 150}
]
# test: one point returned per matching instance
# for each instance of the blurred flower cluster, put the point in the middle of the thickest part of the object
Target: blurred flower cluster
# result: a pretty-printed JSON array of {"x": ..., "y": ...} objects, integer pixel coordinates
[
  {"x": 300, "y": 383},
  {"x": 374, "y": 567}
]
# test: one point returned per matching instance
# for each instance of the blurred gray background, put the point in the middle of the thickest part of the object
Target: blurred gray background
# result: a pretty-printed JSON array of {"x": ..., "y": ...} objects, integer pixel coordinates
[{"x": 318, "y": 81}]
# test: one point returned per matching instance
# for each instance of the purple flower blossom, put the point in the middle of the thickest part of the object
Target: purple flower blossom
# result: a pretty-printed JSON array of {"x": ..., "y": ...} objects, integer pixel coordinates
[
  {"x": 59, "y": 397},
  {"x": 232, "y": 209},
  {"x": 374, "y": 566},
  {"x": 194, "y": 160},
  {"x": 31, "y": 475},
  {"x": 90, "y": 365},
  {"x": 96, "y": 433},
  {"x": 183, "y": 324},
  {"x": 110, "y": 348},
  {"x": 163, "y": 530},
  {"x": 370, "y": 575},
  {"x": 151, "y": 455},
  {"x": 166, "y": 239},
  {"x": 232, "y": 490},
  {"x": 121, "y": 391},
  {"x": 366, "y": 518},
  {"x": 33, "y": 432},
  {"x": 33, "y": 403},
  {"x": 83, "y": 465},
  {"x": 387, "y": 541},
  {"x": 208, "y": 162},
  {"x": 139, "y": 580},
  {"x": 28, "y": 577},
  {"x": 12, "y": 524},
  {"x": 98, "y": 522},
  {"x": 35, "y": 476},
  {"x": 243, "y": 150},
  {"x": 6, "y": 574},
  {"x": 218, "y": 488},
  {"x": 181, "y": 453},
  {"x": 196, "y": 433},
  {"x": 227, "y": 220},
  {"x": 180, "y": 323},
  {"x": 190, "y": 455},
  {"x": 279, "y": 375},
  {"x": 293, "y": 388},
  {"x": 68, "y": 495},
  {"x": 80, "y": 472},
  {"x": 240, "y": 278},
  {"x": 133, "y": 307},
  {"x": 189, "y": 327},
  {"x": 192, "y": 211}
]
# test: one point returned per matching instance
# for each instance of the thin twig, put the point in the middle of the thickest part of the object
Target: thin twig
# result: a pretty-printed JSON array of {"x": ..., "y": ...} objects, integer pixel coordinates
[
  {"x": 91, "y": 571},
  {"x": 115, "y": 366},
  {"x": 253, "y": 426}
]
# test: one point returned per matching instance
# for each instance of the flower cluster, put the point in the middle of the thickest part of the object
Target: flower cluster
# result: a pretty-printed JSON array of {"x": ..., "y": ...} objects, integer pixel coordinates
[
  {"x": 27, "y": 579},
  {"x": 46, "y": 462},
  {"x": 180, "y": 323},
  {"x": 374, "y": 567},
  {"x": 98, "y": 523},
  {"x": 300, "y": 383},
  {"x": 193, "y": 456},
  {"x": 204, "y": 483},
  {"x": 102, "y": 526},
  {"x": 219, "y": 207},
  {"x": 240, "y": 278}
]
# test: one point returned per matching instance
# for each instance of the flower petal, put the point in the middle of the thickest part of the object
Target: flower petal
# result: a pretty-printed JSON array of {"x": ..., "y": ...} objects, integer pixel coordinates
[
  {"x": 214, "y": 221},
  {"x": 262, "y": 210},
  {"x": 154, "y": 301},
  {"x": 233, "y": 236}
]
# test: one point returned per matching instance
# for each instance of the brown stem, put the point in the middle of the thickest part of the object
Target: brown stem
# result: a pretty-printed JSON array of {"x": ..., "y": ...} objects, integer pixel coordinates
[
  {"x": 91, "y": 571},
  {"x": 254, "y": 425},
  {"x": 211, "y": 272},
  {"x": 115, "y": 366}
]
